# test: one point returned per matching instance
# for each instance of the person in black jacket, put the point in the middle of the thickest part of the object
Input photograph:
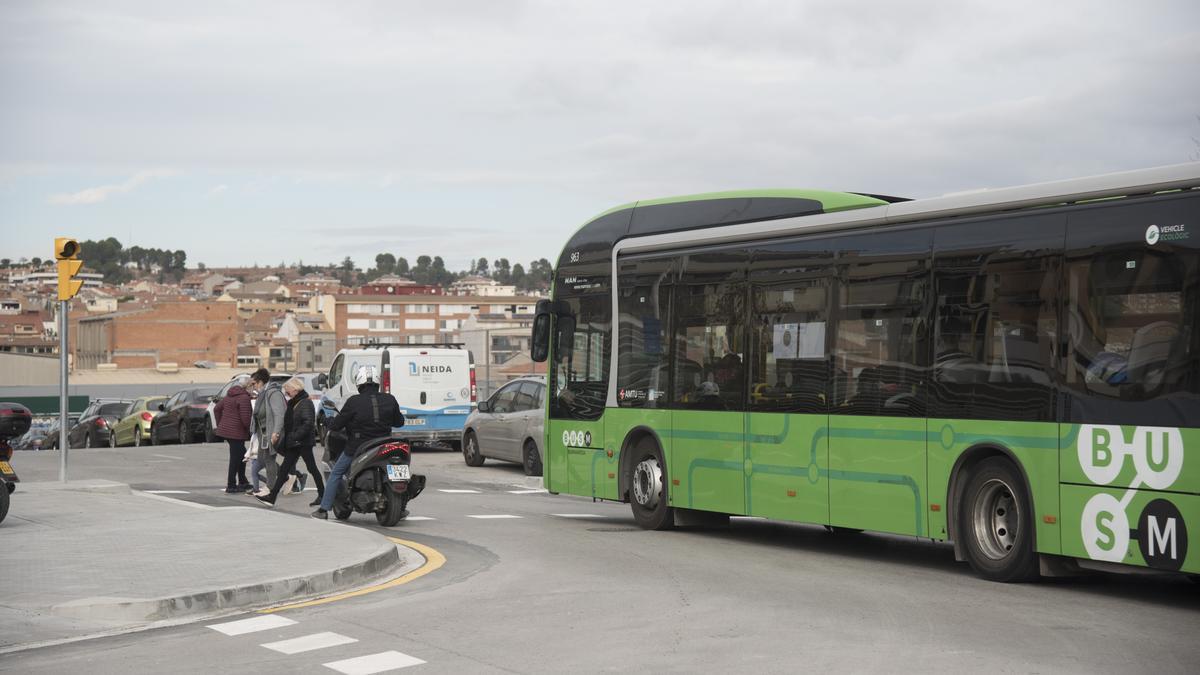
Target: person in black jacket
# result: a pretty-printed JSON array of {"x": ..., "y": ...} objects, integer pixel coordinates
[
  {"x": 366, "y": 415},
  {"x": 299, "y": 422}
]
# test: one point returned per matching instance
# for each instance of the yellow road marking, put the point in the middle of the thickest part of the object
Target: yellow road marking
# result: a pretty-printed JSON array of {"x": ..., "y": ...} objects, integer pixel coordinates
[{"x": 433, "y": 560}]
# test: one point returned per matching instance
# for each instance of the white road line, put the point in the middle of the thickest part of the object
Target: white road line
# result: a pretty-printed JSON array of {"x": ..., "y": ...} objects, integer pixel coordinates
[
  {"x": 496, "y": 516},
  {"x": 374, "y": 663},
  {"x": 420, "y": 518},
  {"x": 253, "y": 625},
  {"x": 577, "y": 515},
  {"x": 309, "y": 643},
  {"x": 525, "y": 492},
  {"x": 168, "y": 492},
  {"x": 165, "y": 456},
  {"x": 460, "y": 492}
]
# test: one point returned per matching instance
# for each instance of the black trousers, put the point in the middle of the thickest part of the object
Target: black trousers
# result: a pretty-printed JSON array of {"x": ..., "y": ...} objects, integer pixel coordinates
[
  {"x": 237, "y": 468},
  {"x": 290, "y": 457}
]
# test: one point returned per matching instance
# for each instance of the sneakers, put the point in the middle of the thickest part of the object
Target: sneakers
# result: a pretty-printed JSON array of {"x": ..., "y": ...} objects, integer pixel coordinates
[
  {"x": 265, "y": 500},
  {"x": 246, "y": 488},
  {"x": 262, "y": 491},
  {"x": 288, "y": 485},
  {"x": 298, "y": 486},
  {"x": 232, "y": 490},
  {"x": 315, "y": 502},
  {"x": 321, "y": 513}
]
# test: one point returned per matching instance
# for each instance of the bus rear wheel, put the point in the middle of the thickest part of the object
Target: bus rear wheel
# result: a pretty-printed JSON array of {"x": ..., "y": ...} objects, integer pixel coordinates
[
  {"x": 996, "y": 523},
  {"x": 648, "y": 487}
]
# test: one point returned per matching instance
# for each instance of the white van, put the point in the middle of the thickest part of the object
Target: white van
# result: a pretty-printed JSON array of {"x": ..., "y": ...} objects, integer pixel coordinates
[{"x": 434, "y": 385}]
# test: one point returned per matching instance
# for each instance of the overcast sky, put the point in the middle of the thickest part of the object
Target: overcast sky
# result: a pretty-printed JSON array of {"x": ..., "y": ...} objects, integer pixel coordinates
[{"x": 248, "y": 132}]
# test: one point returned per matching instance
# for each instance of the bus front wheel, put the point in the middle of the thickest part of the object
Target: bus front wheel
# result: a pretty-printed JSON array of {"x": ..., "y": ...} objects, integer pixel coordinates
[
  {"x": 648, "y": 488},
  {"x": 996, "y": 523}
]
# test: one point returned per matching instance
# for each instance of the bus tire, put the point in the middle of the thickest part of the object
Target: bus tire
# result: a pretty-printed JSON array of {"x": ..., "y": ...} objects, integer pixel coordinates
[
  {"x": 996, "y": 523},
  {"x": 471, "y": 454},
  {"x": 648, "y": 487}
]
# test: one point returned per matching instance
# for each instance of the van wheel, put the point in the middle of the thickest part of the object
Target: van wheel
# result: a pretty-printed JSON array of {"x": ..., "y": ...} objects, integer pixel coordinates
[
  {"x": 996, "y": 523},
  {"x": 648, "y": 487},
  {"x": 471, "y": 454},
  {"x": 533, "y": 461}
]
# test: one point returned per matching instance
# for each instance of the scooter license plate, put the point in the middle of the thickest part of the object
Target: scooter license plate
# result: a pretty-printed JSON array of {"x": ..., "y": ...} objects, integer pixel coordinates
[
  {"x": 399, "y": 472},
  {"x": 6, "y": 469}
]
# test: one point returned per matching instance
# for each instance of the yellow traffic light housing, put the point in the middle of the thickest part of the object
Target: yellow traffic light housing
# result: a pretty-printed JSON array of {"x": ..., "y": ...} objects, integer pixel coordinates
[{"x": 66, "y": 250}]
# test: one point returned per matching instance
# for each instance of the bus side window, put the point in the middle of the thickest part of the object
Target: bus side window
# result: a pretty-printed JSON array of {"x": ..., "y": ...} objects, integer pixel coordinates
[
  {"x": 996, "y": 284},
  {"x": 1132, "y": 312}
]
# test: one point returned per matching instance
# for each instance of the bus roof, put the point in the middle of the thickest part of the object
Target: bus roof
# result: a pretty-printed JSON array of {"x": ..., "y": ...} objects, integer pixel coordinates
[{"x": 739, "y": 215}]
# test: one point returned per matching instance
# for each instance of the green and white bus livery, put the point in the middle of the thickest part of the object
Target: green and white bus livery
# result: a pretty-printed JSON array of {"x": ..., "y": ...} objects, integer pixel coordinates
[{"x": 1016, "y": 371}]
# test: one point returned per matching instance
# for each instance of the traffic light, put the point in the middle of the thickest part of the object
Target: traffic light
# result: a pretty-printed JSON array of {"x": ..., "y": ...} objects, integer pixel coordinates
[{"x": 66, "y": 250}]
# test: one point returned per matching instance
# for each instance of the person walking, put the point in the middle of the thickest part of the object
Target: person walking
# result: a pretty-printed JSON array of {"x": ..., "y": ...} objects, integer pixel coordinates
[
  {"x": 366, "y": 415},
  {"x": 268, "y": 426},
  {"x": 299, "y": 423},
  {"x": 233, "y": 424}
]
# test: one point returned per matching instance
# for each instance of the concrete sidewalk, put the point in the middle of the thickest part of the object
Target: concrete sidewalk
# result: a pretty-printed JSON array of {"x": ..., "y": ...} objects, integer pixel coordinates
[{"x": 93, "y": 556}]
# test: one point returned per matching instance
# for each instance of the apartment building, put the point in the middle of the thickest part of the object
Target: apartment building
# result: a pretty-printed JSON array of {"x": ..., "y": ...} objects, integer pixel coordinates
[{"x": 413, "y": 319}]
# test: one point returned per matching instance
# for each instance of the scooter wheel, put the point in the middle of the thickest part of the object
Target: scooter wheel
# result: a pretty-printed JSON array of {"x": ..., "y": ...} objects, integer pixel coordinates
[
  {"x": 3, "y": 500},
  {"x": 394, "y": 512}
]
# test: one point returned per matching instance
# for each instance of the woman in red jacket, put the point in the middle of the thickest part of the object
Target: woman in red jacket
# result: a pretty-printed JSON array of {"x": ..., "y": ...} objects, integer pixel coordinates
[{"x": 233, "y": 424}]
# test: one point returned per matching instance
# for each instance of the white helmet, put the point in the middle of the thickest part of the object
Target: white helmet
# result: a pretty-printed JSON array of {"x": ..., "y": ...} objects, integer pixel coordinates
[{"x": 366, "y": 375}]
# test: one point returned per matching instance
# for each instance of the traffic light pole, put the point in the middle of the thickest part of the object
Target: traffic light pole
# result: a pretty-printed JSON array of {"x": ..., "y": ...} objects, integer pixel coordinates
[{"x": 63, "y": 446}]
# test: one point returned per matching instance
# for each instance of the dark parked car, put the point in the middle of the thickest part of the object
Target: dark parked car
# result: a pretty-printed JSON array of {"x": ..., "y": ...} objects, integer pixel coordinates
[
  {"x": 96, "y": 423},
  {"x": 51, "y": 442},
  {"x": 183, "y": 417}
]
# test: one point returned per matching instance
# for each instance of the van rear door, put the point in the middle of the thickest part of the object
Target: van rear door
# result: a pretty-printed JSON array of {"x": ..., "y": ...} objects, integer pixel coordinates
[{"x": 432, "y": 383}]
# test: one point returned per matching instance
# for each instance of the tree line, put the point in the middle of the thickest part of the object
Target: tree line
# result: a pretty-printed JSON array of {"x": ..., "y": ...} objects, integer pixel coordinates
[
  {"x": 114, "y": 261},
  {"x": 432, "y": 271}
]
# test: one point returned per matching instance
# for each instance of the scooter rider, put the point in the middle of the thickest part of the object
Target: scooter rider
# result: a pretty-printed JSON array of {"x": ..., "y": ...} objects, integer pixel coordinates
[{"x": 366, "y": 415}]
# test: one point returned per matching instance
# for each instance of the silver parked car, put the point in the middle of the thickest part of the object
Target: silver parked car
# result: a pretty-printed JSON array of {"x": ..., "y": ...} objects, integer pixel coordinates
[{"x": 509, "y": 425}]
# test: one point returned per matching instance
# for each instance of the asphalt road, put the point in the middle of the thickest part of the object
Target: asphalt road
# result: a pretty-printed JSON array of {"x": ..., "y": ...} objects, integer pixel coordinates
[{"x": 553, "y": 584}]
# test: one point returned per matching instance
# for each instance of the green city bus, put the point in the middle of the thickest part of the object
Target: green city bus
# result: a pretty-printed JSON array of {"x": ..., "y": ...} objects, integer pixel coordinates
[{"x": 1016, "y": 371}]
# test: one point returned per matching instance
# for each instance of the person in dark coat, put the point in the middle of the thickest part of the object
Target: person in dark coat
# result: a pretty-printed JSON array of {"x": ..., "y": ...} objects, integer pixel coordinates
[
  {"x": 233, "y": 424},
  {"x": 366, "y": 415},
  {"x": 299, "y": 425}
]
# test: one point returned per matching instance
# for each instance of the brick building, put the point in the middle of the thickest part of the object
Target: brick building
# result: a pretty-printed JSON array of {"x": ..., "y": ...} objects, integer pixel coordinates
[{"x": 170, "y": 332}]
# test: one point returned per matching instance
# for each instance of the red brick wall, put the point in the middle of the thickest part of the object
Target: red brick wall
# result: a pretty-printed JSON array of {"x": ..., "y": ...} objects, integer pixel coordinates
[{"x": 181, "y": 332}]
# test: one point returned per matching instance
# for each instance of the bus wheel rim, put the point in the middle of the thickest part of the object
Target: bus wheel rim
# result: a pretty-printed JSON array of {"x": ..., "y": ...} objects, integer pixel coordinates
[
  {"x": 647, "y": 483},
  {"x": 996, "y": 519}
]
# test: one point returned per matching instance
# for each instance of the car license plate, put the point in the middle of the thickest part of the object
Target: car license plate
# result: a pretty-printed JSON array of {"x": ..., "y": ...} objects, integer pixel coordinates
[
  {"x": 6, "y": 469},
  {"x": 398, "y": 471},
  {"x": 414, "y": 421}
]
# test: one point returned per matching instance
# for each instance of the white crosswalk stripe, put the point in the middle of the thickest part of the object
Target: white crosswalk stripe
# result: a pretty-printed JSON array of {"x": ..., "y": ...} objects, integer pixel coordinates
[
  {"x": 374, "y": 663},
  {"x": 243, "y": 626},
  {"x": 577, "y": 515},
  {"x": 411, "y": 518},
  {"x": 526, "y": 492},
  {"x": 493, "y": 516},
  {"x": 309, "y": 643},
  {"x": 460, "y": 492}
]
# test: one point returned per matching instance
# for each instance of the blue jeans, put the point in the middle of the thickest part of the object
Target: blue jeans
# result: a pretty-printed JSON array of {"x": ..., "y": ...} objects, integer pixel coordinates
[{"x": 340, "y": 467}]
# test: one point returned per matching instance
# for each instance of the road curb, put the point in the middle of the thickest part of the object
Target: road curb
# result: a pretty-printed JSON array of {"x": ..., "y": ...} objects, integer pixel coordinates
[{"x": 384, "y": 561}]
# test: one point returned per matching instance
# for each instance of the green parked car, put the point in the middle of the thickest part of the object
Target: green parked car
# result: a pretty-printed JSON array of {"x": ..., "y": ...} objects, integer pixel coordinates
[{"x": 134, "y": 427}]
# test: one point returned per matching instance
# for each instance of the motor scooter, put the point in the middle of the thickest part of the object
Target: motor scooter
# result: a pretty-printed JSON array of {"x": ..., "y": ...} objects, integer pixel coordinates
[
  {"x": 15, "y": 420},
  {"x": 380, "y": 479}
]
